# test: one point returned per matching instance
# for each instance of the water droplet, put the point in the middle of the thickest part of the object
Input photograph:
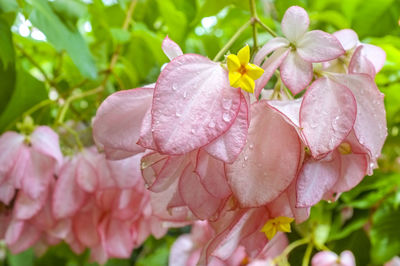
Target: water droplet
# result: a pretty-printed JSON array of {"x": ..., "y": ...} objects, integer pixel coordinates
[
  {"x": 193, "y": 131},
  {"x": 211, "y": 124},
  {"x": 246, "y": 157},
  {"x": 152, "y": 129},
  {"x": 226, "y": 103},
  {"x": 178, "y": 114},
  {"x": 226, "y": 117},
  {"x": 251, "y": 146},
  {"x": 371, "y": 165},
  {"x": 243, "y": 165},
  {"x": 173, "y": 87},
  {"x": 184, "y": 94}
]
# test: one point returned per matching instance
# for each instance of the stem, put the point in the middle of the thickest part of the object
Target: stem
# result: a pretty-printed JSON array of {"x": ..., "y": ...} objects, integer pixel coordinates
[
  {"x": 292, "y": 246},
  {"x": 36, "y": 64},
  {"x": 232, "y": 40},
  {"x": 253, "y": 24},
  {"x": 307, "y": 254},
  {"x": 270, "y": 31},
  {"x": 30, "y": 111},
  {"x": 75, "y": 135}
]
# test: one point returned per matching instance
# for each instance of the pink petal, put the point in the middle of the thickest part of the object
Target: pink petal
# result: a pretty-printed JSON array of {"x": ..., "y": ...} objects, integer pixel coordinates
[
  {"x": 146, "y": 134},
  {"x": 86, "y": 176},
  {"x": 170, "y": 48},
  {"x": 212, "y": 175},
  {"x": 38, "y": 173},
  {"x": 327, "y": 115},
  {"x": 319, "y": 46},
  {"x": 375, "y": 55},
  {"x": 316, "y": 178},
  {"x": 269, "y": 161},
  {"x": 27, "y": 238},
  {"x": 296, "y": 73},
  {"x": 347, "y": 258},
  {"x": 290, "y": 110},
  {"x": 324, "y": 258},
  {"x": 117, "y": 124},
  {"x": 116, "y": 237},
  {"x": 275, "y": 246},
  {"x": 181, "y": 250},
  {"x": 269, "y": 66},
  {"x": 10, "y": 142},
  {"x": 199, "y": 200},
  {"x": 228, "y": 146},
  {"x": 84, "y": 227},
  {"x": 25, "y": 207},
  {"x": 68, "y": 197},
  {"x": 295, "y": 23},
  {"x": 14, "y": 231},
  {"x": 360, "y": 64},
  {"x": 126, "y": 172},
  {"x": 7, "y": 192},
  {"x": 45, "y": 140},
  {"x": 193, "y": 104},
  {"x": 370, "y": 125},
  {"x": 347, "y": 38},
  {"x": 269, "y": 47}
]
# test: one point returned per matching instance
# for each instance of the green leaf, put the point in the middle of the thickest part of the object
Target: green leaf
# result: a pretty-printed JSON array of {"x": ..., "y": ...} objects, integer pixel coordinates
[
  {"x": 339, "y": 231},
  {"x": 119, "y": 35},
  {"x": 62, "y": 37},
  {"x": 69, "y": 11},
  {"x": 7, "y": 54},
  {"x": 25, "y": 258},
  {"x": 7, "y": 84},
  {"x": 358, "y": 243},
  {"x": 385, "y": 232},
  {"x": 28, "y": 92},
  {"x": 174, "y": 19},
  {"x": 8, "y": 5}
]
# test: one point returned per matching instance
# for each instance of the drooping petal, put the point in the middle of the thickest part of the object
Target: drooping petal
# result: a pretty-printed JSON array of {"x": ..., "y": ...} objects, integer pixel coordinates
[
  {"x": 86, "y": 175},
  {"x": 268, "y": 162},
  {"x": 295, "y": 23},
  {"x": 198, "y": 199},
  {"x": 269, "y": 47},
  {"x": 187, "y": 109},
  {"x": 68, "y": 197},
  {"x": 10, "y": 142},
  {"x": 181, "y": 250},
  {"x": 327, "y": 115},
  {"x": 370, "y": 125},
  {"x": 146, "y": 135},
  {"x": 375, "y": 55},
  {"x": 84, "y": 228},
  {"x": 319, "y": 46},
  {"x": 228, "y": 146},
  {"x": 170, "y": 48},
  {"x": 269, "y": 66},
  {"x": 7, "y": 191},
  {"x": 316, "y": 178},
  {"x": 126, "y": 172},
  {"x": 45, "y": 140},
  {"x": 296, "y": 73},
  {"x": 348, "y": 38},
  {"x": 290, "y": 109},
  {"x": 25, "y": 207},
  {"x": 28, "y": 237},
  {"x": 116, "y": 237},
  {"x": 212, "y": 175},
  {"x": 117, "y": 124},
  {"x": 359, "y": 63}
]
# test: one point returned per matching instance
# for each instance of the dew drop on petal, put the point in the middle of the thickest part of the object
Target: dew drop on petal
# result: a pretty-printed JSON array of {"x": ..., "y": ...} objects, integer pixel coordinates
[
  {"x": 173, "y": 87},
  {"x": 251, "y": 146},
  {"x": 226, "y": 117},
  {"x": 226, "y": 103},
  {"x": 246, "y": 157},
  {"x": 211, "y": 124},
  {"x": 184, "y": 94},
  {"x": 193, "y": 131},
  {"x": 178, "y": 114}
]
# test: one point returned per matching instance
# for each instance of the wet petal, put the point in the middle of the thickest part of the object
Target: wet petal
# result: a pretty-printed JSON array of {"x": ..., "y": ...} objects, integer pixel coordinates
[
  {"x": 296, "y": 73},
  {"x": 295, "y": 23},
  {"x": 269, "y": 47},
  {"x": 347, "y": 38},
  {"x": 170, "y": 48}
]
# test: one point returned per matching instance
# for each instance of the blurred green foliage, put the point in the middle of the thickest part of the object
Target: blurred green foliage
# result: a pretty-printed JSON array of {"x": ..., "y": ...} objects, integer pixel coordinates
[{"x": 50, "y": 50}]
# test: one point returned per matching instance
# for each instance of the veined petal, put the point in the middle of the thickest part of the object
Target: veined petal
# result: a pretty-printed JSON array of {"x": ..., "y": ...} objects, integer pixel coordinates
[
  {"x": 319, "y": 46},
  {"x": 188, "y": 110},
  {"x": 244, "y": 55},
  {"x": 233, "y": 63},
  {"x": 296, "y": 73},
  {"x": 347, "y": 38},
  {"x": 295, "y": 23},
  {"x": 327, "y": 115},
  {"x": 254, "y": 71},
  {"x": 170, "y": 48},
  {"x": 375, "y": 55},
  {"x": 269, "y": 47}
]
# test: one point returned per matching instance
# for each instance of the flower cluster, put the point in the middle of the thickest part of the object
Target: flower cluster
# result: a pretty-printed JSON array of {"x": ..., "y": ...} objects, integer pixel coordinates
[
  {"x": 212, "y": 151},
  {"x": 85, "y": 200}
]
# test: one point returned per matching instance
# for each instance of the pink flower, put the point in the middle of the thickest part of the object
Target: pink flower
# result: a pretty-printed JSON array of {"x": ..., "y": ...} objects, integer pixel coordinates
[
  {"x": 328, "y": 258},
  {"x": 296, "y": 53}
]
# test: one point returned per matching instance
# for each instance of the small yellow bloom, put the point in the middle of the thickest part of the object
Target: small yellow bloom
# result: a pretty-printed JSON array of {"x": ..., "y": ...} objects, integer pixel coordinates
[
  {"x": 241, "y": 73},
  {"x": 280, "y": 223}
]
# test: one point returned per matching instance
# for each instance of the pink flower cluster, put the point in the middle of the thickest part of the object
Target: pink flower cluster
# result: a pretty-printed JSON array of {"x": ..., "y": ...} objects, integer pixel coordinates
[
  {"x": 85, "y": 200},
  {"x": 213, "y": 152}
]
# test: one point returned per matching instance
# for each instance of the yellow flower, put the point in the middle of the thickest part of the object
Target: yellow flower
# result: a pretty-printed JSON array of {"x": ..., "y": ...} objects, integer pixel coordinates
[
  {"x": 280, "y": 223},
  {"x": 241, "y": 73}
]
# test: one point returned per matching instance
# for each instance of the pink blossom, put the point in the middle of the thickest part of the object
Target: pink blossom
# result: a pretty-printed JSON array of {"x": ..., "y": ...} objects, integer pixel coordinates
[
  {"x": 328, "y": 258},
  {"x": 296, "y": 53}
]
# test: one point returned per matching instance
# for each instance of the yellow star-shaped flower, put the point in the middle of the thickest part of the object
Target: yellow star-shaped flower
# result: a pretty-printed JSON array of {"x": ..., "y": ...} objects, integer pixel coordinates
[
  {"x": 280, "y": 223},
  {"x": 241, "y": 73}
]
